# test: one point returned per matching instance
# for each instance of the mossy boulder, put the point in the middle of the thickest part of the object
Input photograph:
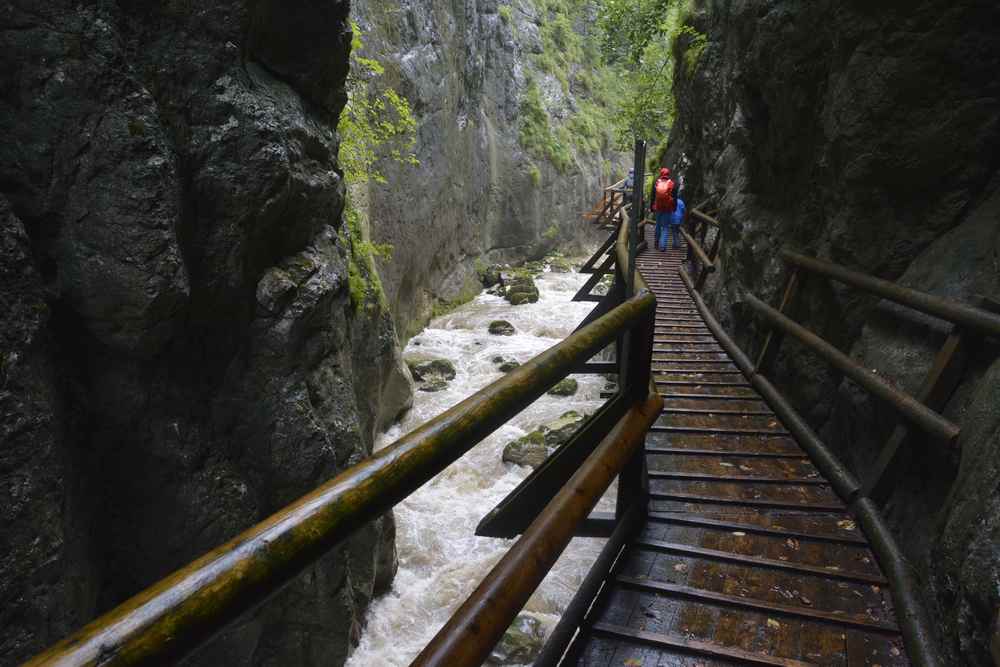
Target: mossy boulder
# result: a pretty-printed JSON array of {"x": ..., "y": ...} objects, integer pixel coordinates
[
  {"x": 505, "y": 364},
  {"x": 502, "y": 328},
  {"x": 430, "y": 373},
  {"x": 521, "y": 644},
  {"x": 558, "y": 264},
  {"x": 565, "y": 387},
  {"x": 520, "y": 288},
  {"x": 490, "y": 275},
  {"x": 533, "y": 448}
]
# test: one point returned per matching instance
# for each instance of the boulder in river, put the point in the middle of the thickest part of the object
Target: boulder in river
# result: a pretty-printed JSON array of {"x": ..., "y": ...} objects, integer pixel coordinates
[
  {"x": 502, "y": 328},
  {"x": 505, "y": 364},
  {"x": 521, "y": 644},
  {"x": 490, "y": 275},
  {"x": 533, "y": 448},
  {"x": 558, "y": 264},
  {"x": 565, "y": 387},
  {"x": 430, "y": 373},
  {"x": 519, "y": 288}
]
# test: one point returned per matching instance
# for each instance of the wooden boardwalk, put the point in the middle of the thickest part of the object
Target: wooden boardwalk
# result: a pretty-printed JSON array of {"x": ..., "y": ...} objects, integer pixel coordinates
[{"x": 746, "y": 555}]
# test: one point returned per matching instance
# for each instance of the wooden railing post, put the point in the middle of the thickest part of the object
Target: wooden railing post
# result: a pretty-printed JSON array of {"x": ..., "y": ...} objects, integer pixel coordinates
[{"x": 772, "y": 342}]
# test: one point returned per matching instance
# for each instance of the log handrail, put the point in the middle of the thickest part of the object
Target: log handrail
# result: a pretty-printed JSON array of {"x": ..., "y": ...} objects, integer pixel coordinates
[
  {"x": 952, "y": 311},
  {"x": 170, "y": 619},
  {"x": 910, "y": 407},
  {"x": 914, "y": 622},
  {"x": 468, "y": 637}
]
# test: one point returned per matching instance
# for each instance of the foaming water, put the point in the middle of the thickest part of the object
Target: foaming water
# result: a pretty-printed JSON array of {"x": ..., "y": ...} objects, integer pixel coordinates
[{"x": 440, "y": 559}]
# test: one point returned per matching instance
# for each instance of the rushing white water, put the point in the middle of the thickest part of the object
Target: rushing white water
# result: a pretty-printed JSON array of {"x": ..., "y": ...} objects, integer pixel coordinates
[{"x": 440, "y": 559}]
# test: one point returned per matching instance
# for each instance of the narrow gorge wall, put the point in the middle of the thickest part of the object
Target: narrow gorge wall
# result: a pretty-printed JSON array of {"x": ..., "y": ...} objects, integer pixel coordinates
[
  {"x": 866, "y": 133},
  {"x": 179, "y": 356},
  {"x": 513, "y": 140}
]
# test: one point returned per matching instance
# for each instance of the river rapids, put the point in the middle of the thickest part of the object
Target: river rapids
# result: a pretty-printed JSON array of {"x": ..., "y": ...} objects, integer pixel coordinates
[{"x": 440, "y": 559}]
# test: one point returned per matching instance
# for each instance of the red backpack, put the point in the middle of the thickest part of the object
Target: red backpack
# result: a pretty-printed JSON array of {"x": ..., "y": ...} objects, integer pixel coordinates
[{"x": 665, "y": 196}]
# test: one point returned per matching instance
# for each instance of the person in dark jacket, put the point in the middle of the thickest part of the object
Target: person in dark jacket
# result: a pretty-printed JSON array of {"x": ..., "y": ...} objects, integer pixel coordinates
[{"x": 662, "y": 204}]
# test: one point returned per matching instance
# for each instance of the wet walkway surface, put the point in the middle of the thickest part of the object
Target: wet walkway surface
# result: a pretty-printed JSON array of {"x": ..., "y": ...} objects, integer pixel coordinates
[{"x": 747, "y": 556}]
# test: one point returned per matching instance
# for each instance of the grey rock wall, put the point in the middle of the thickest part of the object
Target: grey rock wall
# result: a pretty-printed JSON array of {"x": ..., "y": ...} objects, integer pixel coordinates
[
  {"x": 179, "y": 354},
  {"x": 868, "y": 134},
  {"x": 473, "y": 198}
]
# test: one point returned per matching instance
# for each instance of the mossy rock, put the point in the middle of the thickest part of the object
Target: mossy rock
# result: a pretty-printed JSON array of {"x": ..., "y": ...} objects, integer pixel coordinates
[
  {"x": 490, "y": 275},
  {"x": 505, "y": 364},
  {"x": 521, "y": 644},
  {"x": 533, "y": 448},
  {"x": 436, "y": 384},
  {"x": 520, "y": 288},
  {"x": 565, "y": 387},
  {"x": 424, "y": 368},
  {"x": 430, "y": 373},
  {"x": 560, "y": 265},
  {"x": 502, "y": 328}
]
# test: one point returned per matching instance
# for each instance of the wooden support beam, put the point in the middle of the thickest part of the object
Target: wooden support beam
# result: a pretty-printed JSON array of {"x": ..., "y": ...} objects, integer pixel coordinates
[{"x": 772, "y": 343}]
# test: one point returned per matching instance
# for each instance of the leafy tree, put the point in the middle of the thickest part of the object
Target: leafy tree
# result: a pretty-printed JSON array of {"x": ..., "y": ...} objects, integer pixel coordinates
[{"x": 641, "y": 35}]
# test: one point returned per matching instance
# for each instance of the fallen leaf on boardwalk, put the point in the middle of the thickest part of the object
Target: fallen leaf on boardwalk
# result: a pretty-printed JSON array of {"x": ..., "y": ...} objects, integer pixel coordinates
[
  {"x": 894, "y": 651},
  {"x": 806, "y": 601},
  {"x": 726, "y": 465},
  {"x": 771, "y": 623},
  {"x": 681, "y": 567},
  {"x": 772, "y": 423},
  {"x": 739, "y": 534},
  {"x": 633, "y": 662},
  {"x": 792, "y": 543},
  {"x": 846, "y": 524},
  {"x": 746, "y": 468},
  {"x": 875, "y": 589}
]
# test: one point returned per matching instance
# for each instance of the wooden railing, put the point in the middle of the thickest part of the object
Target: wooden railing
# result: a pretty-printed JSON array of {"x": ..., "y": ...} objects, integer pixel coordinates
[
  {"x": 702, "y": 261},
  {"x": 169, "y": 620},
  {"x": 921, "y": 411}
]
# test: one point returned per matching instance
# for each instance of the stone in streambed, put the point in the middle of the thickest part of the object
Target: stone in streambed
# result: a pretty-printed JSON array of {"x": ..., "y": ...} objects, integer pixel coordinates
[
  {"x": 565, "y": 387},
  {"x": 430, "y": 373},
  {"x": 519, "y": 288},
  {"x": 502, "y": 328},
  {"x": 521, "y": 644},
  {"x": 505, "y": 364},
  {"x": 533, "y": 448}
]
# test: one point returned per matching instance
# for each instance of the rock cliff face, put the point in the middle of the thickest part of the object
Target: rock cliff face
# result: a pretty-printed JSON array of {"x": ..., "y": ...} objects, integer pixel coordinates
[
  {"x": 179, "y": 354},
  {"x": 475, "y": 72},
  {"x": 867, "y": 134}
]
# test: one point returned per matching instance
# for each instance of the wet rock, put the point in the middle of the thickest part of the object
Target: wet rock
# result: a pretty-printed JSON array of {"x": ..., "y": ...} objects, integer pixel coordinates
[
  {"x": 430, "y": 373},
  {"x": 529, "y": 450},
  {"x": 558, "y": 264},
  {"x": 502, "y": 328},
  {"x": 490, "y": 275},
  {"x": 565, "y": 387},
  {"x": 533, "y": 448},
  {"x": 521, "y": 644},
  {"x": 520, "y": 288},
  {"x": 506, "y": 364}
]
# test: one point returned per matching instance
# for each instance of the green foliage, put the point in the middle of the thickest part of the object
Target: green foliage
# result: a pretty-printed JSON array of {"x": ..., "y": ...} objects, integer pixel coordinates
[
  {"x": 506, "y": 13},
  {"x": 551, "y": 234},
  {"x": 376, "y": 124},
  {"x": 535, "y": 174},
  {"x": 643, "y": 35},
  {"x": 377, "y": 121},
  {"x": 538, "y": 137}
]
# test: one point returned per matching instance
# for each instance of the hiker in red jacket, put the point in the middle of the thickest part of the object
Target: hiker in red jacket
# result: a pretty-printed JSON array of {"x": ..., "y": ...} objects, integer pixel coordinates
[{"x": 662, "y": 203}]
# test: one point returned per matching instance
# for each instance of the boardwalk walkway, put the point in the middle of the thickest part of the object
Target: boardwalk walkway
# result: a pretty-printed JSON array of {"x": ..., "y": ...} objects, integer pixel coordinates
[{"x": 746, "y": 555}]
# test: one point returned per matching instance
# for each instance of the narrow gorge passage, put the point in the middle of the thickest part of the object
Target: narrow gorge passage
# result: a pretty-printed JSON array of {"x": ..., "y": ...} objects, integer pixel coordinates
[{"x": 440, "y": 558}]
